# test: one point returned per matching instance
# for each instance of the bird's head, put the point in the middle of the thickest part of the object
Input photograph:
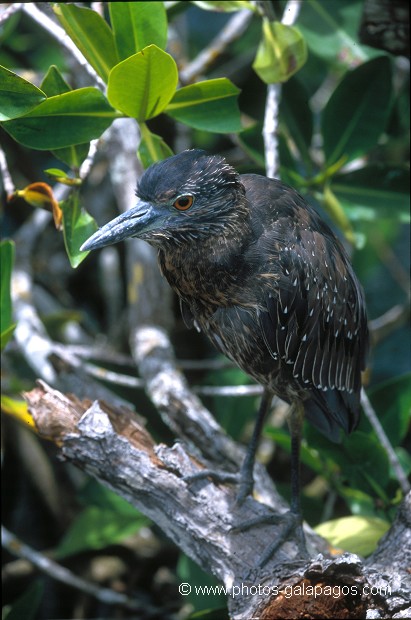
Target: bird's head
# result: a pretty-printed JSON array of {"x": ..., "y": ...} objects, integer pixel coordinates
[{"x": 184, "y": 197}]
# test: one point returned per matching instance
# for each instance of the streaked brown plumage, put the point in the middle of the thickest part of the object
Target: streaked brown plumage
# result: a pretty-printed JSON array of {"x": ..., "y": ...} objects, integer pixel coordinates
[{"x": 259, "y": 272}]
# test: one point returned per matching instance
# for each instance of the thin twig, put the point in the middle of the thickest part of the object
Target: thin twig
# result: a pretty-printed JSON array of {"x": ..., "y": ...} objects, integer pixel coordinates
[
  {"x": 231, "y": 31},
  {"x": 270, "y": 128},
  {"x": 10, "y": 10},
  {"x": 8, "y": 184},
  {"x": 385, "y": 442},
  {"x": 394, "y": 318},
  {"x": 60, "y": 573},
  {"x": 63, "y": 38}
]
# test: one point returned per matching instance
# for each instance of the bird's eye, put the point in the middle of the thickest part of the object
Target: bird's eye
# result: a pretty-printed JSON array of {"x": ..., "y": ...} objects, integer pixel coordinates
[{"x": 182, "y": 203}]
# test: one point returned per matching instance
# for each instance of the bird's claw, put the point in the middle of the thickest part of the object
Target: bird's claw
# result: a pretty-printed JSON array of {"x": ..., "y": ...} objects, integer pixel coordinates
[{"x": 290, "y": 522}]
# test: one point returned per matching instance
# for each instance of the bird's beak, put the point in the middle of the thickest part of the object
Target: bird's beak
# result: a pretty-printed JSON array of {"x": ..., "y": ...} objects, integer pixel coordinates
[{"x": 132, "y": 223}]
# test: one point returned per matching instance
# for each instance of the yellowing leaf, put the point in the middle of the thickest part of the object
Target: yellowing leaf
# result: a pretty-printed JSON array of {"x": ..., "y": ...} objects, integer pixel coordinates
[
  {"x": 281, "y": 53},
  {"x": 18, "y": 409},
  {"x": 41, "y": 195},
  {"x": 355, "y": 534}
]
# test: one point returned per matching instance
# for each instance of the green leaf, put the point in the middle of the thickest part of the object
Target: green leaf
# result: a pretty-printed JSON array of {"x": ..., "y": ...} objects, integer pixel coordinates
[
  {"x": 97, "y": 528},
  {"x": 281, "y": 53},
  {"x": 331, "y": 31},
  {"x": 78, "y": 226},
  {"x": 17, "y": 96},
  {"x": 152, "y": 148},
  {"x": 7, "y": 250},
  {"x": 137, "y": 25},
  {"x": 358, "y": 110},
  {"x": 27, "y": 605},
  {"x": 54, "y": 83},
  {"x": 362, "y": 461},
  {"x": 308, "y": 455},
  {"x": 74, "y": 155},
  {"x": 64, "y": 120},
  {"x": 141, "y": 86},
  {"x": 91, "y": 34},
  {"x": 354, "y": 534},
  {"x": 210, "y": 106},
  {"x": 373, "y": 192},
  {"x": 392, "y": 402}
]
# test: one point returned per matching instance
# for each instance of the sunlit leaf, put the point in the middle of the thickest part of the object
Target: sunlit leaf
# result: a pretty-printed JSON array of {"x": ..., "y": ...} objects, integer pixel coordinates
[
  {"x": 354, "y": 534},
  {"x": 281, "y": 53},
  {"x": 91, "y": 34},
  {"x": 137, "y": 25},
  {"x": 141, "y": 86},
  {"x": 211, "y": 106},
  {"x": 62, "y": 177},
  {"x": 17, "y": 96}
]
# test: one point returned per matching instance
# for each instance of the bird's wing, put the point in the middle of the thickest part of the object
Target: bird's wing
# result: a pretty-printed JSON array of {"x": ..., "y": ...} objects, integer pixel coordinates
[{"x": 314, "y": 318}]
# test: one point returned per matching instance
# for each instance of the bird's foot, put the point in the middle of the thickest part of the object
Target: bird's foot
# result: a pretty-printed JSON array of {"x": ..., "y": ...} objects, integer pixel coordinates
[{"x": 290, "y": 522}]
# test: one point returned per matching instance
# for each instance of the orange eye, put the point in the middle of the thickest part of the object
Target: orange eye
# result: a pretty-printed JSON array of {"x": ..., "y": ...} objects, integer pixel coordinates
[{"x": 183, "y": 202}]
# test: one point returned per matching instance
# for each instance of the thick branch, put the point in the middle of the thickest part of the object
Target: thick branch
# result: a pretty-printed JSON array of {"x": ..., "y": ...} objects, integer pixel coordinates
[{"x": 112, "y": 445}]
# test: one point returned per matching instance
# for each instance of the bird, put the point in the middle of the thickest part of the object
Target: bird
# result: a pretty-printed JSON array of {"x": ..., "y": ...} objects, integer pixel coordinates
[{"x": 262, "y": 275}]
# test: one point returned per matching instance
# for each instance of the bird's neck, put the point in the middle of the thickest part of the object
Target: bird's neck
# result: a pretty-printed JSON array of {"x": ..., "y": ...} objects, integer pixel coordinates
[{"x": 207, "y": 268}]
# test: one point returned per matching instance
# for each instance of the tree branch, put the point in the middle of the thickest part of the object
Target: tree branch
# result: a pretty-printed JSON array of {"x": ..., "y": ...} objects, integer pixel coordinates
[{"x": 112, "y": 445}]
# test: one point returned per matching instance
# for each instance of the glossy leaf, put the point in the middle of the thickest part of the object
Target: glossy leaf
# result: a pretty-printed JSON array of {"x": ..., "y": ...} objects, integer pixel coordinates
[
  {"x": 91, "y": 34},
  {"x": 64, "y": 120},
  {"x": 7, "y": 250},
  {"x": 152, "y": 148},
  {"x": 54, "y": 83},
  {"x": 17, "y": 96},
  {"x": 281, "y": 53},
  {"x": 137, "y": 25},
  {"x": 331, "y": 31},
  {"x": 78, "y": 226},
  {"x": 210, "y": 106},
  {"x": 357, "y": 111},
  {"x": 355, "y": 534},
  {"x": 141, "y": 86}
]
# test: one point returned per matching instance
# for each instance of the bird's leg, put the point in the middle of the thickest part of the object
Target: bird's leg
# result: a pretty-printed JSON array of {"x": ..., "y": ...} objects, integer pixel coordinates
[
  {"x": 245, "y": 477},
  {"x": 291, "y": 521}
]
